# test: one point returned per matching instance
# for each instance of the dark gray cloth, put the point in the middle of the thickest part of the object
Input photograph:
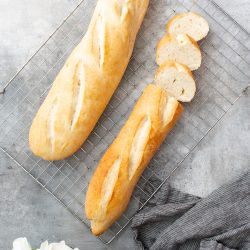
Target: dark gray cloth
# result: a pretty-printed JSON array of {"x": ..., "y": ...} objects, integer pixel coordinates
[{"x": 175, "y": 220}]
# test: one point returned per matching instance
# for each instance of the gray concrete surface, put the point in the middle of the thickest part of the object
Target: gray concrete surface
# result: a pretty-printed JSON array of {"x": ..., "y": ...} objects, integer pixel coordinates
[{"x": 27, "y": 210}]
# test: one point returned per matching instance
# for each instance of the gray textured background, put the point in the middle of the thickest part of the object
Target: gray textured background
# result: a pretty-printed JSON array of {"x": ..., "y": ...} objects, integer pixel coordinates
[{"x": 27, "y": 210}]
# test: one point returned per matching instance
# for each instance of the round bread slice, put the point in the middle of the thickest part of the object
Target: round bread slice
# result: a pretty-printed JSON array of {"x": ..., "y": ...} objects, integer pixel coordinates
[
  {"x": 181, "y": 49},
  {"x": 188, "y": 23},
  {"x": 177, "y": 80}
]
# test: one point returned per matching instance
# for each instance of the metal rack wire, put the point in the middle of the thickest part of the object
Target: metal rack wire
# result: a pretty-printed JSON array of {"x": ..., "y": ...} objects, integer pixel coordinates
[{"x": 221, "y": 80}]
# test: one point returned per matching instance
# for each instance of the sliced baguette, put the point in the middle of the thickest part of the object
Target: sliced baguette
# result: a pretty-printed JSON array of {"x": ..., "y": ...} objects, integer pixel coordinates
[
  {"x": 177, "y": 80},
  {"x": 120, "y": 168},
  {"x": 181, "y": 49},
  {"x": 188, "y": 23}
]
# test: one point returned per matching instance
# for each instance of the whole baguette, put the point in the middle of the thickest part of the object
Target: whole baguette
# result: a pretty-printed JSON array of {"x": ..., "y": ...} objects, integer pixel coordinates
[
  {"x": 88, "y": 79},
  {"x": 120, "y": 168}
]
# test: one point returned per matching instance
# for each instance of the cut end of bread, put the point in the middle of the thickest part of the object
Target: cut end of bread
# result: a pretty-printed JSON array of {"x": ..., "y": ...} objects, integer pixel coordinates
[
  {"x": 189, "y": 23},
  {"x": 138, "y": 145},
  {"x": 181, "y": 49},
  {"x": 177, "y": 80}
]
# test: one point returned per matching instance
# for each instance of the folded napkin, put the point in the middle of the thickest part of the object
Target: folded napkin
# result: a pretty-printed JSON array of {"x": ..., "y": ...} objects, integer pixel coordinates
[{"x": 176, "y": 220}]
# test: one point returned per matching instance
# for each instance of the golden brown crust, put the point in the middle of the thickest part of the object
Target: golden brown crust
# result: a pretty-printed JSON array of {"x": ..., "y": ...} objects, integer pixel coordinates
[
  {"x": 149, "y": 105},
  {"x": 173, "y": 19},
  {"x": 168, "y": 38},
  {"x": 179, "y": 16},
  {"x": 175, "y": 65},
  {"x": 76, "y": 100},
  {"x": 165, "y": 39},
  {"x": 193, "y": 42}
]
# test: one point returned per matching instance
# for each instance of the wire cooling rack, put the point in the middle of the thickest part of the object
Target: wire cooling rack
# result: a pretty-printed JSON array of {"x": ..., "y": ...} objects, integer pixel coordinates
[{"x": 222, "y": 78}]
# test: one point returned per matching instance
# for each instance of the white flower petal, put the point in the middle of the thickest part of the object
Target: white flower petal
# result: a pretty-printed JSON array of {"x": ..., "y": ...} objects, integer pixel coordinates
[
  {"x": 21, "y": 244},
  {"x": 55, "y": 246},
  {"x": 44, "y": 246}
]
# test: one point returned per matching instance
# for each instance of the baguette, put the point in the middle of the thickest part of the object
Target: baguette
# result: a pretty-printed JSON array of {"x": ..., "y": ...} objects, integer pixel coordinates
[
  {"x": 189, "y": 23},
  {"x": 181, "y": 49},
  {"x": 120, "y": 168},
  {"x": 88, "y": 79},
  {"x": 177, "y": 80}
]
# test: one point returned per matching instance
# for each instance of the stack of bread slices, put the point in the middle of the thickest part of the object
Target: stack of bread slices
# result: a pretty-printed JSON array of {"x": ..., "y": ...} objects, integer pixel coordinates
[{"x": 178, "y": 54}]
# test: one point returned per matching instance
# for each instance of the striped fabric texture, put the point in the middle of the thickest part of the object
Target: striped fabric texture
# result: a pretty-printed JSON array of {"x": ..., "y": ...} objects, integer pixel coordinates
[{"x": 176, "y": 220}]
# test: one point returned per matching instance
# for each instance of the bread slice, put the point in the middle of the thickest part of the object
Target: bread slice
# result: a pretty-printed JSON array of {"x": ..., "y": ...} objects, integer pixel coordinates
[
  {"x": 181, "y": 49},
  {"x": 177, "y": 80},
  {"x": 188, "y": 23}
]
